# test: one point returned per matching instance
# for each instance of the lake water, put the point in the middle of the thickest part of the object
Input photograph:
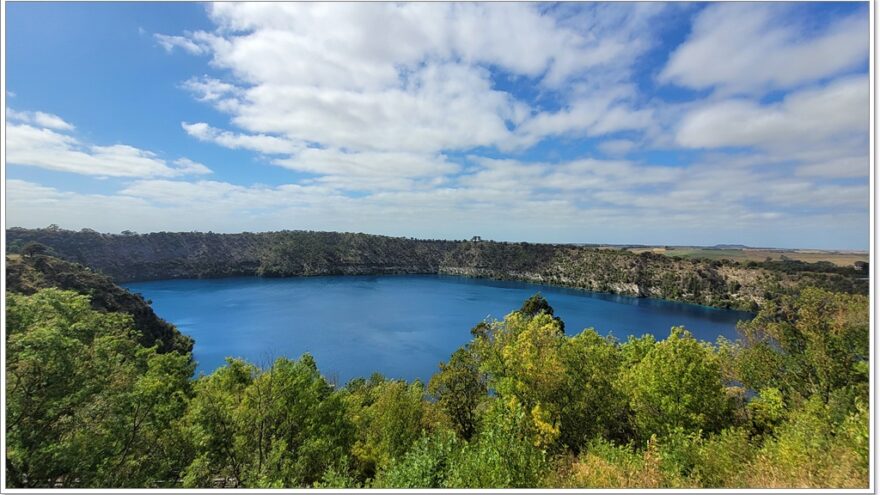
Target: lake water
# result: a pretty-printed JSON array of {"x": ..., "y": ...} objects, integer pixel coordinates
[{"x": 401, "y": 326}]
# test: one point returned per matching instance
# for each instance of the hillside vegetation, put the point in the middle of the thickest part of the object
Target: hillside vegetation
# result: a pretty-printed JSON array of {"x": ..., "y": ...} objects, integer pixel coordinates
[
  {"x": 520, "y": 405},
  {"x": 164, "y": 255},
  {"x": 30, "y": 273},
  {"x": 94, "y": 398}
]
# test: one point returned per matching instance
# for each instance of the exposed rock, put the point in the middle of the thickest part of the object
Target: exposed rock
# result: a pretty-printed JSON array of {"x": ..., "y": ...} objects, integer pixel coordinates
[{"x": 166, "y": 255}]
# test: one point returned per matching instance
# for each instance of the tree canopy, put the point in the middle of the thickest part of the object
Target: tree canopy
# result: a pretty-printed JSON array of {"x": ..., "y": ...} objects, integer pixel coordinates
[{"x": 520, "y": 405}]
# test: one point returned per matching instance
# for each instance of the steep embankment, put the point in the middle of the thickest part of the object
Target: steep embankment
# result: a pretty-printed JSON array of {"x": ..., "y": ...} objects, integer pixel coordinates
[
  {"x": 296, "y": 253},
  {"x": 28, "y": 274}
]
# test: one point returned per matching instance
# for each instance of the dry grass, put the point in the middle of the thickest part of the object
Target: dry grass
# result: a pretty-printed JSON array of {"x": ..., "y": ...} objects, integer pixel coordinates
[
  {"x": 843, "y": 472},
  {"x": 620, "y": 469},
  {"x": 840, "y": 258},
  {"x": 595, "y": 472}
]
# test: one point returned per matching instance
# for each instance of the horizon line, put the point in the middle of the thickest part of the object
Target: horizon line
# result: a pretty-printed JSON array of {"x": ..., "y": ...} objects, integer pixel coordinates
[{"x": 475, "y": 238}]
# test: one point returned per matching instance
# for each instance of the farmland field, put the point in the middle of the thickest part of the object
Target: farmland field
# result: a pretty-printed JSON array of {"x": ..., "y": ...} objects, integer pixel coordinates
[{"x": 840, "y": 258}]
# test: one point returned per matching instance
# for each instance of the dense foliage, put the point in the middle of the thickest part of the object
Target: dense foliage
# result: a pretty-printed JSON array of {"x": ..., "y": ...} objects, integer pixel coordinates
[
  {"x": 86, "y": 405},
  {"x": 520, "y": 405},
  {"x": 35, "y": 270}
]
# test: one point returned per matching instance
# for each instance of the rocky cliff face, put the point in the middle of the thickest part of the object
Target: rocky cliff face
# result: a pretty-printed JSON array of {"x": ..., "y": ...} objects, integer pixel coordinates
[{"x": 296, "y": 253}]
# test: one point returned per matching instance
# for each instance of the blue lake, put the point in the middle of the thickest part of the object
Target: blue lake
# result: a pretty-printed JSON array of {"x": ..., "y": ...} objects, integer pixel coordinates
[{"x": 401, "y": 326}]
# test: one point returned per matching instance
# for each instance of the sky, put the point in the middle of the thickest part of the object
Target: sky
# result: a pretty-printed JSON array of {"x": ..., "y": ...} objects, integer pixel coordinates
[{"x": 622, "y": 123}]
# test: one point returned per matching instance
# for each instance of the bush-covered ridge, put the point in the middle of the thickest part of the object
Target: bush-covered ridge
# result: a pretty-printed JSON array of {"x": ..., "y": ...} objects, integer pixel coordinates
[
  {"x": 297, "y": 253},
  {"x": 27, "y": 274},
  {"x": 520, "y": 405}
]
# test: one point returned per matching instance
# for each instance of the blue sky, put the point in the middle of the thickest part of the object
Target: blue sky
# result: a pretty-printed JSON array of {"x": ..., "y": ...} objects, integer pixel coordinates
[{"x": 641, "y": 123}]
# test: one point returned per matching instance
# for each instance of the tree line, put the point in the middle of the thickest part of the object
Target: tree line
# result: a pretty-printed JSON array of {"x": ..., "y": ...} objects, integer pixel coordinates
[{"x": 166, "y": 255}]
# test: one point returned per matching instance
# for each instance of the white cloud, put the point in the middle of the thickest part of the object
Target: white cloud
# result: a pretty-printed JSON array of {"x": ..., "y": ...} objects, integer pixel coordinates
[
  {"x": 41, "y": 119},
  {"x": 187, "y": 44},
  {"x": 808, "y": 118},
  {"x": 599, "y": 114},
  {"x": 383, "y": 100},
  {"x": 254, "y": 142},
  {"x": 837, "y": 167},
  {"x": 442, "y": 107},
  {"x": 712, "y": 191},
  {"x": 747, "y": 47},
  {"x": 364, "y": 170},
  {"x": 416, "y": 78},
  {"x": 334, "y": 42},
  {"x": 715, "y": 201},
  {"x": 185, "y": 166},
  {"x": 376, "y": 166},
  {"x": 223, "y": 95},
  {"x": 46, "y": 147},
  {"x": 616, "y": 147},
  {"x": 577, "y": 175},
  {"x": 225, "y": 196},
  {"x": 807, "y": 194},
  {"x": 33, "y": 205}
]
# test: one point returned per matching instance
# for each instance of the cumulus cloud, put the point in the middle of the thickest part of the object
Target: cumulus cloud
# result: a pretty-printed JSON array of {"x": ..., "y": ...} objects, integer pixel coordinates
[
  {"x": 185, "y": 43},
  {"x": 41, "y": 144},
  {"x": 748, "y": 47},
  {"x": 443, "y": 107},
  {"x": 517, "y": 121},
  {"x": 210, "y": 89},
  {"x": 713, "y": 191},
  {"x": 337, "y": 41},
  {"x": 370, "y": 170},
  {"x": 560, "y": 178},
  {"x": 836, "y": 167},
  {"x": 41, "y": 119},
  {"x": 597, "y": 115},
  {"x": 185, "y": 166},
  {"x": 535, "y": 201},
  {"x": 616, "y": 147},
  {"x": 255, "y": 142},
  {"x": 825, "y": 128},
  {"x": 414, "y": 78}
]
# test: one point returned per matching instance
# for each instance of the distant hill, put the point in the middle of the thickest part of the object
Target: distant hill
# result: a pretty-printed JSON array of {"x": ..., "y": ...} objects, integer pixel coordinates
[{"x": 165, "y": 255}]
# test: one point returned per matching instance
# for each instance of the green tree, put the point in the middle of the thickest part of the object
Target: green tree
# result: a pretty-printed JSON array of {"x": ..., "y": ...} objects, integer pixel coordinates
[
  {"x": 389, "y": 417},
  {"x": 522, "y": 405},
  {"x": 535, "y": 305},
  {"x": 87, "y": 406},
  {"x": 635, "y": 349},
  {"x": 812, "y": 450},
  {"x": 677, "y": 385},
  {"x": 522, "y": 356},
  {"x": 426, "y": 465},
  {"x": 34, "y": 249},
  {"x": 503, "y": 455},
  {"x": 459, "y": 387},
  {"x": 276, "y": 427},
  {"x": 591, "y": 404},
  {"x": 722, "y": 458},
  {"x": 766, "y": 411},
  {"x": 812, "y": 343}
]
